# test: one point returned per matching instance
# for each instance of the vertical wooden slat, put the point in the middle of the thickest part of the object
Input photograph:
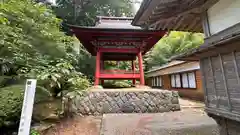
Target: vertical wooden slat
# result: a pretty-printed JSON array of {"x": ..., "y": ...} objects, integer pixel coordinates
[
  {"x": 205, "y": 24},
  {"x": 214, "y": 84},
  {"x": 204, "y": 83},
  {"x": 225, "y": 82},
  {"x": 188, "y": 80},
  {"x": 175, "y": 77},
  {"x": 236, "y": 67}
]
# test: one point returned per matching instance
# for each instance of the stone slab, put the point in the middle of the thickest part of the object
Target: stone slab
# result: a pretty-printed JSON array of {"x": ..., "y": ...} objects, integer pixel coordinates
[{"x": 185, "y": 122}]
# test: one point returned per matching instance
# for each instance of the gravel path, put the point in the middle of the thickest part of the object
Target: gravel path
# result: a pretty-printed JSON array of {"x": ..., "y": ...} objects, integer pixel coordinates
[
  {"x": 77, "y": 126},
  {"x": 192, "y": 115},
  {"x": 185, "y": 122}
]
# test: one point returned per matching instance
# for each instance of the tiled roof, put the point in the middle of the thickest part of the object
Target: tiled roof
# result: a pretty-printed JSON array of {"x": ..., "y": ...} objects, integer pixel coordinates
[
  {"x": 115, "y": 23},
  {"x": 172, "y": 63},
  {"x": 174, "y": 67}
]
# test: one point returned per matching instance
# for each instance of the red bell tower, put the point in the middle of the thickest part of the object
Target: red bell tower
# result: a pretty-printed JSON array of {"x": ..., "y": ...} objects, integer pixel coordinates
[{"x": 115, "y": 39}]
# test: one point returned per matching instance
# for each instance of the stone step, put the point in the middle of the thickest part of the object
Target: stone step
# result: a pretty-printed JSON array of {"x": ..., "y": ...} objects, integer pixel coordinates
[{"x": 185, "y": 122}]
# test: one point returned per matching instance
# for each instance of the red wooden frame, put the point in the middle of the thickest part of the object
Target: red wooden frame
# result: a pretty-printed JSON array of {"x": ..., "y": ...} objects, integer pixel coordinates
[
  {"x": 145, "y": 39},
  {"x": 118, "y": 50},
  {"x": 119, "y": 76},
  {"x": 97, "y": 71},
  {"x": 133, "y": 69},
  {"x": 100, "y": 74},
  {"x": 140, "y": 62}
]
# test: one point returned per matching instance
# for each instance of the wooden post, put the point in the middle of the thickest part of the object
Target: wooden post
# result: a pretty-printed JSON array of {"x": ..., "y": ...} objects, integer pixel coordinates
[
  {"x": 140, "y": 62},
  {"x": 203, "y": 77},
  {"x": 225, "y": 83},
  {"x": 97, "y": 71},
  {"x": 214, "y": 82},
  {"x": 102, "y": 69},
  {"x": 133, "y": 70}
]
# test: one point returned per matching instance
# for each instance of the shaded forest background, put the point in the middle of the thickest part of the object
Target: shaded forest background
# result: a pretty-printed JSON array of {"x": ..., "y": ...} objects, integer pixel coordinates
[{"x": 35, "y": 42}]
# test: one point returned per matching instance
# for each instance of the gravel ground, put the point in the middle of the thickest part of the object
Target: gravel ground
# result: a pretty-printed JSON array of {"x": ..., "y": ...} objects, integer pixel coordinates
[
  {"x": 191, "y": 119},
  {"x": 77, "y": 126},
  {"x": 185, "y": 122}
]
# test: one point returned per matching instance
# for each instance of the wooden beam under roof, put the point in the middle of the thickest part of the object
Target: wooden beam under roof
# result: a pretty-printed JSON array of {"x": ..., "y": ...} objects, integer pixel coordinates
[
  {"x": 160, "y": 12},
  {"x": 177, "y": 12}
]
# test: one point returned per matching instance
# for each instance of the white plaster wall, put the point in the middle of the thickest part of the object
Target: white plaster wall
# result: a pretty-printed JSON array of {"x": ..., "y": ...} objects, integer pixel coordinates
[{"x": 223, "y": 14}]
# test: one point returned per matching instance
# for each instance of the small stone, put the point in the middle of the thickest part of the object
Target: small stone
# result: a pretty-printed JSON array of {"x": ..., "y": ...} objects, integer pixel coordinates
[
  {"x": 163, "y": 109},
  {"x": 127, "y": 108},
  {"x": 92, "y": 108},
  {"x": 96, "y": 113},
  {"x": 81, "y": 110},
  {"x": 119, "y": 103},
  {"x": 175, "y": 107},
  {"x": 124, "y": 99},
  {"x": 143, "y": 109},
  {"x": 109, "y": 98},
  {"x": 106, "y": 108},
  {"x": 175, "y": 100},
  {"x": 128, "y": 97},
  {"x": 145, "y": 95},
  {"x": 99, "y": 108},
  {"x": 155, "y": 101},
  {"x": 116, "y": 94},
  {"x": 175, "y": 94},
  {"x": 86, "y": 108}
]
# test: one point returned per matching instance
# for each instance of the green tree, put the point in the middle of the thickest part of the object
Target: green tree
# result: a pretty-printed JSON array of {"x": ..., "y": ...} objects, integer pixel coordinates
[
  {"x": 172, "y": 44},
  {"x": 32, "y": 46},
  {"x": 84, "y": 12}
]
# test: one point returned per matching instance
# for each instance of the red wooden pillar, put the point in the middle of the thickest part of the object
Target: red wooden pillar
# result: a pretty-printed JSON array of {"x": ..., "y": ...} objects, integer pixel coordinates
[
  {"x": 97, "y": 71},
  {"x": 102, "y": 69},
  {"x": 133, "y": 70},
  {"x": 140, "y": 62}
]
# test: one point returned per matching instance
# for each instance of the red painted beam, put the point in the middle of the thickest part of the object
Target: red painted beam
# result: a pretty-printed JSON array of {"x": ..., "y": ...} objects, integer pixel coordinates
[
  {"x": 119, "y": 40},
  {"x": 118, "y": 71},
  {"x": 118, "y": 50},
  {"x": 116, "y": 32},
  {"x": 119, "y": 76}
]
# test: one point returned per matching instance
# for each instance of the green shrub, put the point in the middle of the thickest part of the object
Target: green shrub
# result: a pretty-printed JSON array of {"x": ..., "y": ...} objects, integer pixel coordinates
[
  {"x": 42, "y": 95},
  {"x": 60, "y": 77},
  {"x": 116, "y": 84},
  {"x": 10, "y": 104},
  {"x": 34, "y": 132},
  {"x": 11, "y": 99}
]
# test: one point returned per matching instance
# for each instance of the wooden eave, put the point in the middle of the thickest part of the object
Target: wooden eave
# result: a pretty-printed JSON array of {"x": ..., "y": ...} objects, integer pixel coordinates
[
  {"x": 166, "y": 66},
  {"x": 88, "y": 34},
  {"x": 221, "y": 42},
  {"x": 179, "y": 15}
]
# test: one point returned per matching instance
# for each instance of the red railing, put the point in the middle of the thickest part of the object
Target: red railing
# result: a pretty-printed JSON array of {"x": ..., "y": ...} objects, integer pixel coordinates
[
  {"x": 117, "y": 71},
  {"x": 119, "y": 74}
]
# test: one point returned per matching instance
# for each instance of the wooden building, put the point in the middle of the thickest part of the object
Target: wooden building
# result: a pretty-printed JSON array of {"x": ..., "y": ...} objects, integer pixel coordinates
[
  {"x": 219, "y": 56},
  {"x": 182, "y": 76},
  {"x": 115, "y": 39}
]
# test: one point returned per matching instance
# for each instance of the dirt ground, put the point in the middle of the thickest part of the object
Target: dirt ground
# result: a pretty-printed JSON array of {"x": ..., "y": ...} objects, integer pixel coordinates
[
  {"x": 91, "y": 125},
  {"x": 78, "y": 125}
]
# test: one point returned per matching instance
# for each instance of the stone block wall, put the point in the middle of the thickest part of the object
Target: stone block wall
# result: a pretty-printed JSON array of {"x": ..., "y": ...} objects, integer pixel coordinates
[{"x": 104, "y": 101}]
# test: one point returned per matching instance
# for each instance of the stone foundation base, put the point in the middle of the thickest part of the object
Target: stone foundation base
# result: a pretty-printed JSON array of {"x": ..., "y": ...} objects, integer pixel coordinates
[
  {"x": 103, "y": 101},
  {"x": 226, "y": 126}
]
